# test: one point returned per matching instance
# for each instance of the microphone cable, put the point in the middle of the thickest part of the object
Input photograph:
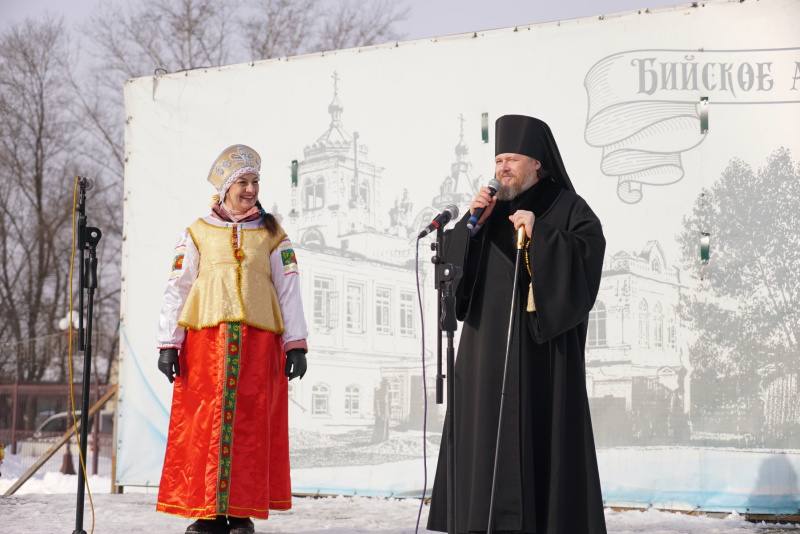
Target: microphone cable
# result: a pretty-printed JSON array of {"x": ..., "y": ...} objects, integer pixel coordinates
[
  {"x": 84, "y": 416},
  {"x": 424, "y": 392}
]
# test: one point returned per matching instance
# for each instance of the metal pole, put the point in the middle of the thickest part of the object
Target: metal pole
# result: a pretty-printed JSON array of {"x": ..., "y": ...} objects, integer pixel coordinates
[
  {"x": 91, "y": 268},
  {"x": 88, "y": 237},
  {"x": 82, "y": 248},
  {"x": 446, "y": 277},
  {"x": 451, "y": 437},
  {"x": 512, "y": 314},
  {"x": 437, "y": 260}
]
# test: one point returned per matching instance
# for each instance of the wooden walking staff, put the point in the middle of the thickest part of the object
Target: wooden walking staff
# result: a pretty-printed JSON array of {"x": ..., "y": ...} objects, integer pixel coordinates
[{"x": 520, "y": 246}]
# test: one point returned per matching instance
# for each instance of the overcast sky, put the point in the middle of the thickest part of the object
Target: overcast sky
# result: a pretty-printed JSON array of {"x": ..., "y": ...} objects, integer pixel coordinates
[{"x": 428, "y": 18}]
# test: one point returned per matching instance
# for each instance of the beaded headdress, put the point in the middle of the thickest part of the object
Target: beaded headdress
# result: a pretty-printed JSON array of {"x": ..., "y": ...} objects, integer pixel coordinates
[{"x": 234, "y": 161}]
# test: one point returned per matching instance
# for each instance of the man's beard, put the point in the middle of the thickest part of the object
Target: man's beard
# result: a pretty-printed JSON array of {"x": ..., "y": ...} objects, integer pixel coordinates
[{"x": 513, "y": 189}]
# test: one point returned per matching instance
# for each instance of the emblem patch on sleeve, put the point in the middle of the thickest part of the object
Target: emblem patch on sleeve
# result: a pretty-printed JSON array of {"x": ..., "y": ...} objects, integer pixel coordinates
[
  {"x": 287, "y": 257},
  {"x": 177, "y": 261}
]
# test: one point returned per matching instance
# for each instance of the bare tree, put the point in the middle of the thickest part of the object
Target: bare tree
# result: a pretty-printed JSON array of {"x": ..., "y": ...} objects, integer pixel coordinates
[
  {"x": 36, "y": 136},
  {"x": 186, "y": 34},
  {"x": 146, "y": 37},
  {"x": 100, "y": 116},
  {"x": 354, "y": 23},
  {"x": 99, "y": 113},
  {"x": 278, "y": 28},
  {"x": 167, "y": 34}
]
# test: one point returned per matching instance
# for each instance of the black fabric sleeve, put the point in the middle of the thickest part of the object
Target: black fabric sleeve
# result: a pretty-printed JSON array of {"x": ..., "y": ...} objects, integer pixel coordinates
[
  {"x": 566, "y": 266},
  {"x": 464, "y": 251}
]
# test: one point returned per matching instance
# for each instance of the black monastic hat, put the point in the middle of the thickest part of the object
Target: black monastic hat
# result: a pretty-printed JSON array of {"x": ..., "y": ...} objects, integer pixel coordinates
[{"x": 520, "y": 134}]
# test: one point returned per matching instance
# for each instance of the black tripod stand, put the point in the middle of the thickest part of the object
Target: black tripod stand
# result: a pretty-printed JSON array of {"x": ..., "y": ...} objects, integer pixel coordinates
[
  {"x": 88, "y": 237},
  {"x": 446, "y": 278}
]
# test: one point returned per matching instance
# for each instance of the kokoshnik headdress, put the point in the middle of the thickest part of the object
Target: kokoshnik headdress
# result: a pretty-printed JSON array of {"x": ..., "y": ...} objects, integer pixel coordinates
[
  {"x": 234, "y": 161},
  {"x": 520, "y": 134}
]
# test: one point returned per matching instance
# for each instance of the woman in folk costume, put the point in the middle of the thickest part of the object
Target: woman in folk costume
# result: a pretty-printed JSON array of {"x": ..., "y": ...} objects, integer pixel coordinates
[{"x": 230, "y": 333}]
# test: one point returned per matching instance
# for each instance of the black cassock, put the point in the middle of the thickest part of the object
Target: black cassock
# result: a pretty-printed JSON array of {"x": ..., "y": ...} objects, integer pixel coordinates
[{"x": 547, "y": 479}]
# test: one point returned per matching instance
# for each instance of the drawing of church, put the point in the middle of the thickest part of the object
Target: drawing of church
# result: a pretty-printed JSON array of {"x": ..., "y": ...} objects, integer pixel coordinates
[
  {"x": 636, "y": 374},
  {"x": 359, "y": 289}
]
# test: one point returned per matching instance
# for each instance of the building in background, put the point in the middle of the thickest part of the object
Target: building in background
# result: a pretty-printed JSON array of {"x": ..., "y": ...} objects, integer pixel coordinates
[
  {"x": 359, "y": 289},
  {"x": 636, "y": 375}
]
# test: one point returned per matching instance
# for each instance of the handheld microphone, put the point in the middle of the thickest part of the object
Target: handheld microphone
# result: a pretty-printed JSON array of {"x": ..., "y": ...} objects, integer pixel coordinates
[
  {"x": 494, "y": 185},
  {"x": 448, "y": 213},
  {"x": 85, "y": 183}
]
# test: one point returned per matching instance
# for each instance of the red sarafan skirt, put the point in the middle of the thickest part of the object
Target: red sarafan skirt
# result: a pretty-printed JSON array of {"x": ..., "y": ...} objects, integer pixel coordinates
[{"x": 228, "y": 443}]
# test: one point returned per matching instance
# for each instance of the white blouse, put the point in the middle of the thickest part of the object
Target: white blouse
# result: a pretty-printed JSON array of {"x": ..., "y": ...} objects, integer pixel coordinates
[{"x": 285, "y": 278}]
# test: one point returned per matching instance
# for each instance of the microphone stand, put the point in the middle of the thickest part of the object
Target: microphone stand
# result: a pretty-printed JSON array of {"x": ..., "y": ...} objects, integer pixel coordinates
[
  {"x": 446, "y": 276},
  {"x": 88, "y": 237},
  {"x": 512, "y": 314}
]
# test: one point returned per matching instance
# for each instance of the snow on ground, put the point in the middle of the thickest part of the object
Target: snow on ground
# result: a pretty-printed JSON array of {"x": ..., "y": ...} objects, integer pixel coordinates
[{"x": 47, "y": 503}]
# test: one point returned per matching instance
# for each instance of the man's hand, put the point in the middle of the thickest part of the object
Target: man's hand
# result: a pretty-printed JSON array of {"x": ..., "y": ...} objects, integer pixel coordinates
[
  {"x": 296, "y": 363},
  {"x": 523, "y": 218},
  {"x": 168, "y": 363},
  {"x": 484, "y": 199}
]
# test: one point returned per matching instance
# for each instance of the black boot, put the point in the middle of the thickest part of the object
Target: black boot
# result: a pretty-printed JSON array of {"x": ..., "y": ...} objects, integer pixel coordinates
[
  {"x": 218, "y": 525},
  {"x": 241, "y": 525}
]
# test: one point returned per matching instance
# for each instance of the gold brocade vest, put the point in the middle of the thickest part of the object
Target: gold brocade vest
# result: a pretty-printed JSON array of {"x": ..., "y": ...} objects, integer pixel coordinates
[{"x": 228, "y": 288}]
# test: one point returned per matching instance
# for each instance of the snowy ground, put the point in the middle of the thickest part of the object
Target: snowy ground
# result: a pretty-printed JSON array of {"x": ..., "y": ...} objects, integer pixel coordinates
[{"x": 46, "y": 504}]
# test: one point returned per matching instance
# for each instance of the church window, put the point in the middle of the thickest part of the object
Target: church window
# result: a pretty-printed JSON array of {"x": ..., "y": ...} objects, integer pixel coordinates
[
  {"x": 383, "y": 297},
  {"x": 308, "y": 193},
  {"x": 314, "y": 193},
  {"x": 447, "y": 186},
  {"x": 313, "y": 236},
  {"x": 352, "y": 396},
  {"x": 407, "y": 313},
  {"x": 658, "y": 326},
  {"x": 644, "y": 325},
  {"x": 363, "y": 193},
  {"x": 355, "y": 307},
  {"x": 672, "y": 340},
  {"x": 597, "y": 326},
  {"x": 655, "y": 265},
  {"x": 320, "y": 394},
  {"x": 325, "y": 302}
]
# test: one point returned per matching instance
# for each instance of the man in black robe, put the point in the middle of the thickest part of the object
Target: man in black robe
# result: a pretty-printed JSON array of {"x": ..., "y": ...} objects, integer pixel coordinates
[{"x": 547, "y": 480}]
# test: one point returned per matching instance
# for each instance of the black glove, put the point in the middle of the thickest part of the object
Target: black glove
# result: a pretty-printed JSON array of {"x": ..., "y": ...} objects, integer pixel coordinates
[
  {"x": 296, "y": 364},
  {"x": 168, "y": 363}
]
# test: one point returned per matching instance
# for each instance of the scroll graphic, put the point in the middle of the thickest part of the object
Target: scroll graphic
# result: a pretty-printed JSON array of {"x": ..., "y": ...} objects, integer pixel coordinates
[{"x": 644, "y": 105}]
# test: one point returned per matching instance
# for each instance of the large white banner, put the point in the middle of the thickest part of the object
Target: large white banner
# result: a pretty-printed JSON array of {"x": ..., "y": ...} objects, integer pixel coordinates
[{"x": 672, "y": 124}]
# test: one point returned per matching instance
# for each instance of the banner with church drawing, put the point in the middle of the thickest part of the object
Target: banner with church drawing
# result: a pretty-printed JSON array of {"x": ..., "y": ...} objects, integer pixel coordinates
[{"x": 675, "y": 125}]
